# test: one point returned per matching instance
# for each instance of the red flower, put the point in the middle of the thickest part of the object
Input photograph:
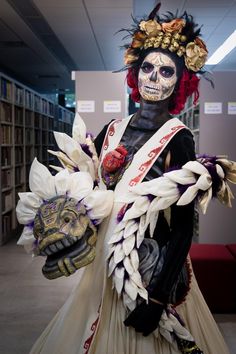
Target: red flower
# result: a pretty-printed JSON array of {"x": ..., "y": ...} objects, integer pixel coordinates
[{"x": 114, "y": 159}]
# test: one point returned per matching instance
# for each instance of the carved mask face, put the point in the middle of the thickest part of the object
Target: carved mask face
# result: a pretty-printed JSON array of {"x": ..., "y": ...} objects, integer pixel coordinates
[
  {"x": 65, "y": 234},
  {"x": 157, "y": 77}
]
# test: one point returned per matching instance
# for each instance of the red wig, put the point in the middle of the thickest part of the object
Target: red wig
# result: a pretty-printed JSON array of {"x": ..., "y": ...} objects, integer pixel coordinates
[{"x": 188, "y": 85}]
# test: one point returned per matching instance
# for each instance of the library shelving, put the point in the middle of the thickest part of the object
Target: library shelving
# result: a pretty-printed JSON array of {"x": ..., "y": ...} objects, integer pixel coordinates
[{"x": 27, "y": 121}]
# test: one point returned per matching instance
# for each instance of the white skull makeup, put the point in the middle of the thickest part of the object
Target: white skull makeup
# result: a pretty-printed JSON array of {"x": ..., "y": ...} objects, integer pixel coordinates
[{"x": 157, "y": 77}]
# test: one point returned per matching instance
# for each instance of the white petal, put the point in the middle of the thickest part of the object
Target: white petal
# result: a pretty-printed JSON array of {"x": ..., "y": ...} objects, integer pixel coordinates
[
  {"x": 99, "y": 203},
  {"x": 131, "y": 289},
  {"x": 73, "y": 150},
  {"x": 63, "y": 158},
  {"x": 30, "y": 200},
  {"x": 130, "y": 304},
  {"x": 134, "y": 258},
  {"x": 25, "y": 214},
  {"x": 120, "y": 226},
  {"x": 119, "y": 254},
  {"x": 80, "y": 185},
  {"x": 61, "y": 182},
  {"x": 128, "y": 265},
  {"x": 111, "y": 250},
  {"x": 205, "y": 200},
  {"x": 128, "y": 244},
  {"x": 204, "y": 182},
  {"x": 163, "y": 203},
  {"x": 27, "y": 239},
  {"x": 79, "y": 129},
  {"x": 41, "y": 182},
  {"x": 116, "y": 237},
  {"x": 195, "y": 167},
  {"x": 220, "y": 171},
  {"x": 130, "y": 228},
  {"x": 119, "y": 279},
  {"x": 153, "y": 222},
  {"x": 111, "y": 266},
  {"x": 139, "y": 207},
  {"x": 188, "y": 196},
  {"x": 56, "y": 168},
  {"x": 181, "y": 176},
  {"x": 143, "y": 224},
  {"x": 136, "y": 278},
  {"x": 143, "y": 293},
  {"x": 139, "y": 239}
]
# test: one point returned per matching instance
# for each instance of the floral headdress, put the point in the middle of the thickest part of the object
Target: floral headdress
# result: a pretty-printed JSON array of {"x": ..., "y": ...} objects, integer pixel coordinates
[{"x": 175, "y": 34}]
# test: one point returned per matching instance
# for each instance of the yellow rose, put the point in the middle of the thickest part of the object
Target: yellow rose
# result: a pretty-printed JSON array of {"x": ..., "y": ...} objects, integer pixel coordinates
[
  {"x": 150, "y": 27},
  {"x": 195, "y": 56},
  {"x": 200, "y": 43},
  {"x": 173, "y": 26}
]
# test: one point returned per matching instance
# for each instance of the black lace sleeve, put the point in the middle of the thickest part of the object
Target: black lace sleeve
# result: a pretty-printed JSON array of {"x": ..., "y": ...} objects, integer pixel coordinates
[{"x": 181, "y": 225}]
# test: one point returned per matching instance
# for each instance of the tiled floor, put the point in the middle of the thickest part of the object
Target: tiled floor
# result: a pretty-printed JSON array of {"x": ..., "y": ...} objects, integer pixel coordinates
[{"x": 28, "y": 301}]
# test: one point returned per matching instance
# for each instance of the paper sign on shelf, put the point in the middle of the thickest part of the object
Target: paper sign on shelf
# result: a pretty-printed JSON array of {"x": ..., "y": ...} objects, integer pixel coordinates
[
  {"x": 232, "y": 108},
  {"x": 112, "y": 106},
  {"x": 86, "y": 106},
  {"x": 213, "y": 107}
]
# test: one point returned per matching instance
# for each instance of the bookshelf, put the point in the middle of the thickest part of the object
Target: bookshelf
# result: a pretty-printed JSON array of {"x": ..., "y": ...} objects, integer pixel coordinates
[{"x": 27, "y": 122}]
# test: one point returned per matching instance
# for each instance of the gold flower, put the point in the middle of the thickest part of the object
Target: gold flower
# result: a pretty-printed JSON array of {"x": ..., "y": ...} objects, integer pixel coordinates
[
  {"x": 129, "y": 56},
  {"x": 200, "y": 43},
  {"x": 174, "y": 25},
  {"x": 150, "y": 27},
  {"x": 195, "y": 56}
]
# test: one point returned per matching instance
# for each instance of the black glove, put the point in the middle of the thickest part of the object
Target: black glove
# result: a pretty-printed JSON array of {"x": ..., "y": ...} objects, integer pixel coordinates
[{"x": 145, "y": 317}]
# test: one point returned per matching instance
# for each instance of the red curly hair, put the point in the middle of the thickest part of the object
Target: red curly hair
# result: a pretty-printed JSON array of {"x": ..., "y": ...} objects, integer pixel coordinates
[{"x": 187, "y": 85}]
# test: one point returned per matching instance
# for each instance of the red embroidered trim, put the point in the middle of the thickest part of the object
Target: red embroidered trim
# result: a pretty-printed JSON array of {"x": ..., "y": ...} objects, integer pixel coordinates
[
  {"x": 88, "y": 342},
  {"x": 110, "y": 132},
  {"x": 152, "y": 154}
]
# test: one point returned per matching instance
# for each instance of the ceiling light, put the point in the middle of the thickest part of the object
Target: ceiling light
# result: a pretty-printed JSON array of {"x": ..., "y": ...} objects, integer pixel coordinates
[{"x": 228, "y": 45}]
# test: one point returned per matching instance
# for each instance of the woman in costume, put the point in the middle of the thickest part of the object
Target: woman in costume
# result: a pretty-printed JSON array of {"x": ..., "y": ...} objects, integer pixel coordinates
[{"x": 138, "y": 295}]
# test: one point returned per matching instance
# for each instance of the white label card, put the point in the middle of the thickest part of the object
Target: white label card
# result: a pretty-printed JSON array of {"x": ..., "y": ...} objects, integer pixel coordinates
[
  {"x": 112, "y": 106},
  {"x": 213, "y": 107},
  {"x": 232, "y": 108},
  {"x": 86, "y": 106}
]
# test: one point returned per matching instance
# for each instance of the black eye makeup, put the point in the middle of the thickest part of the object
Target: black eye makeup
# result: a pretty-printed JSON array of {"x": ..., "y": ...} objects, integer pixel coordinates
[
  {"x": 147, "y": 67},
  {"x": 167, "y": 71}
]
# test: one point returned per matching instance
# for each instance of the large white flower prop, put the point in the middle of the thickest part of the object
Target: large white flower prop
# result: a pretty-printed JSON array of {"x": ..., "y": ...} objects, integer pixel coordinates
[
  {"x": 198, "y": 181},
  {"x": 44, "y": 186},
  {"x": 78, "y": 152}
]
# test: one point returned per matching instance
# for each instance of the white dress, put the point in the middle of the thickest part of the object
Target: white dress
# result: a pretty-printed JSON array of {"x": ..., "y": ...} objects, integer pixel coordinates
[{"x": 91, "y": 320}]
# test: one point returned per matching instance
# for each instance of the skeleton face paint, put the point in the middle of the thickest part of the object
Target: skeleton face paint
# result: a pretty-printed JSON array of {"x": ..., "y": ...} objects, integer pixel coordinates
[{"x": 157, "y": 77}]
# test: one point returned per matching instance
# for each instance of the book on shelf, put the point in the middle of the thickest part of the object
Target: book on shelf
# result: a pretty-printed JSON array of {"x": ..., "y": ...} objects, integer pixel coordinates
[
  {"x": 28, "y": 118},
  {"x": 5, "y": 134},
  {"x": 19, "y": 92},
  {"x": 29, "y": 154},
  {"x": 50, "y": 124},
  {"x": 6, "y": 156},
  {"x": 45, "y": 137},
  {"x": 6, "y": 89},
  {"x": 37, "y": 103},
  {"x": 7, "y": 223},
  {"x": 6, "y": 201},
  {"x": 5, "y": 112},
  {"x": 28, "y": 136},
  {"x": 18, "y": 116},
  {"x": 37, "y": 120},
  {"x": 18, "y": 155},
  {"x": 18, "y": 175},
  {"x": 19, "y": 136},
  {"x": 29, "y": 99},
  {"x": 6, "y": 178},
  {"x": 37, "y": 137}
]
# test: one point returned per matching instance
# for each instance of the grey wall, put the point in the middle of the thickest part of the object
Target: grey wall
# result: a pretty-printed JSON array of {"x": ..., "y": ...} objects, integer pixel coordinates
[
  {"x": 218, "y": 136},
  {"x": 100, "y": 86}
]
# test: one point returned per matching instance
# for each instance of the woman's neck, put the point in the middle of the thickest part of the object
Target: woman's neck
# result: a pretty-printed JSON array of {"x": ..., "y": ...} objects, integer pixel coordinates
[{"x": 151, "y": 115}]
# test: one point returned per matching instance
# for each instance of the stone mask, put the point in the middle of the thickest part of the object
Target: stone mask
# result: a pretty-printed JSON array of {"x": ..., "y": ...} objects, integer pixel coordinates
[
  {"x": 157, "y": 77},
  {"x": 65, "y": 235}
]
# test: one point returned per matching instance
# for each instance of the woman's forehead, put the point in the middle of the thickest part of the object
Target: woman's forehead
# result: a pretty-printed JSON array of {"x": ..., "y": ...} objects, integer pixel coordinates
[{"x": 158, "y": 58}]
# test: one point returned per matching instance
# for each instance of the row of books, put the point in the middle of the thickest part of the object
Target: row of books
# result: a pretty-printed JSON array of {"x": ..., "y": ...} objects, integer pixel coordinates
[
  {"x": 7, "y": 223},
  {"x": 29, "y": 99},
  {"x": 6, "y": 157},
  {"x": 19, "y": 92},
  {"x": 6, "y": 89},
  {"x": 7, "y": 201},
  {"x": 5, "y": 112},
  {"x": 18, "y": 155},
  {"x": 6, "y": 176},
  {"x": 19, "y": 115},
  {"x": 18, "y": 175},
  {"x": 5, "y": 134}
]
